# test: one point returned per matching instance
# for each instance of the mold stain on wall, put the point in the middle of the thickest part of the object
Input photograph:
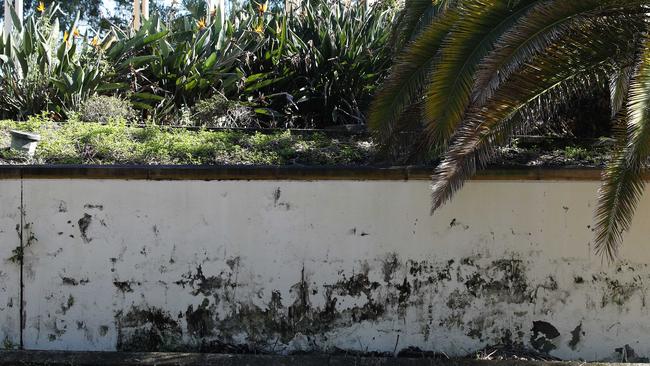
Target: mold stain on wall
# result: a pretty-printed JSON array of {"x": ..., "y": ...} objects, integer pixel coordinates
[
  {"x": 213, "y": 302},
  {"x": 84, "y": 224},
  {"x": 464, "y": 294}
]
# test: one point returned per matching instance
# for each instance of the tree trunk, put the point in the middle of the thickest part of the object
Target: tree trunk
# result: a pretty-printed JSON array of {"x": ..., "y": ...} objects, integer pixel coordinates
[
  {"x": 8, "y": 19},
  {"x": 208, "y": 12},
  {"x": 145, "y": 9},
  {"x": 136, "y": 14}
]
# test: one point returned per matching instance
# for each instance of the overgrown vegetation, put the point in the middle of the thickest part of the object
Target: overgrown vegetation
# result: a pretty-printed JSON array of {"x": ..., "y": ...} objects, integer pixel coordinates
[
  {"x": 218, "y": 111},
  {"x": 76, "y": 142},
  {"x": 309, "y": 68},
  {"x": 468, "y": 76},
  {"x": 117, "y": 142}
]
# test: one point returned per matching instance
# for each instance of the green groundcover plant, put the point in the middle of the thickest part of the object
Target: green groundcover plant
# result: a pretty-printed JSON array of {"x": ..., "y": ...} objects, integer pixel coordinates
[{"x": 116, "y": 142}]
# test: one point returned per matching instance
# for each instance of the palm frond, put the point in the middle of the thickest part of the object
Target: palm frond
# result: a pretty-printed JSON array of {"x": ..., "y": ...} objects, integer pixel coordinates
[
  {"x": 448, "y": 95},
  {"x": 478, "y": 139},
  {"x": 623, "y": 182},
  {"x": 416, "y": 16},
  {"x": 619, "y": 85},
  {"x": 409, "y": 74},
  {"x": 486, "y": 69},
  {"x": 543, "y": 25},
  {"x": 568, "y": 67}
]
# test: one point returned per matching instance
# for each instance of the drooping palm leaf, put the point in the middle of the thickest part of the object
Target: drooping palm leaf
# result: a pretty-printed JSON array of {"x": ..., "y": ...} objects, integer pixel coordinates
[
  {"x": 565, "y": 68},
  {"x": 405, "y": 84},
  {"x": 623, "y": 182},
  {"x": 476, "y": 144},
  {"x": 480, "y": 24},
  {"x": 495, "y": 66},
  {"x": 547, "y": 22},
  {"x": 416, "y": 16},
  {"x": 619, "y": 86}
]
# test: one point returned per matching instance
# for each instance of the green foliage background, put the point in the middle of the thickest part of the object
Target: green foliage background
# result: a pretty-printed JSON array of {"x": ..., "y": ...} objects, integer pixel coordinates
[{"x": 315, "y": 67}]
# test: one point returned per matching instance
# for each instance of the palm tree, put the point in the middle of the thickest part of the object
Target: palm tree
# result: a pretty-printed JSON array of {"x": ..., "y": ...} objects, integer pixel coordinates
[{"x": 472, "y": 73}]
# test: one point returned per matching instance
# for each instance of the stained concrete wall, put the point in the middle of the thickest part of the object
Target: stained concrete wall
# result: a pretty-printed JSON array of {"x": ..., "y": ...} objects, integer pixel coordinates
[
  {"x": 282, "y": 266},
  {"x": 10, "y": 228}
]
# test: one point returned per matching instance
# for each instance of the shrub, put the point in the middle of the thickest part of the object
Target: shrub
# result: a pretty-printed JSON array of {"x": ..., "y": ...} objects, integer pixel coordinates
[
  {"x": 47, "y": 69},
  {"x": 576, "y": 152},
  {"x": 311, "y": 68},
  {"x": 101, "y": 108},
  {"x": 320, "y": 66},
  {"x": 218, "y": 111}
]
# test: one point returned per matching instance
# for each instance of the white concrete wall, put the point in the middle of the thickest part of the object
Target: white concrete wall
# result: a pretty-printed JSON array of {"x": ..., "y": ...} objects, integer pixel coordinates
[
  {"x": 9, "y": 264},
  {"x": 283, "y": 266}
]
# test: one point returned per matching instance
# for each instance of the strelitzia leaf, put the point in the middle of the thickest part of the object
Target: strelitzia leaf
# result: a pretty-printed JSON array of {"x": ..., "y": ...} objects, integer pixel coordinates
[
  {"x": 137, "y": 61},
  {"x": 148, "y": 96},
  {"x": 154, "y": 38},
  {"x": 17, "y": 21},
  {"x": 210, "y": 61}
]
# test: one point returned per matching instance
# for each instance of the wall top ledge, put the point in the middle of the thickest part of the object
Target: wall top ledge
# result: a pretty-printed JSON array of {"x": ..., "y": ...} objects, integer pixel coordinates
[{"x": 298, "y": 173}]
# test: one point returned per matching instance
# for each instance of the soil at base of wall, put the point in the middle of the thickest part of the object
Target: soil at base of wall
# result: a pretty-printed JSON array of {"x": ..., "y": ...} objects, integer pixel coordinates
[{"x": 55, "y": 358}]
